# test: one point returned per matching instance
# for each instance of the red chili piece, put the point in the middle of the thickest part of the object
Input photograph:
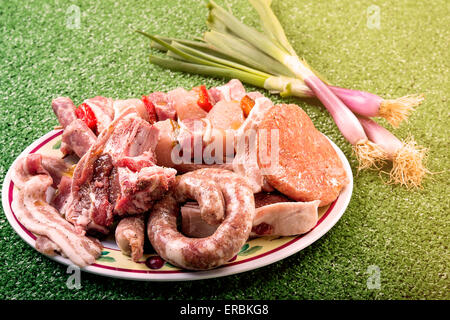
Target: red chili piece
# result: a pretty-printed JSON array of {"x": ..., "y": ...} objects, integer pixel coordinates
[
  {"x": 203, "y": 98},
  {"x": 247, "y": 104},
  {"x": 85, "y": 113},
  {"x": 151, "y": 110}
]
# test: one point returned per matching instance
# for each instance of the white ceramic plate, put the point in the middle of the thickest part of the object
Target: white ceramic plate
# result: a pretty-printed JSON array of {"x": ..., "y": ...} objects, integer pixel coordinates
[{"x": 255, "y": 253}]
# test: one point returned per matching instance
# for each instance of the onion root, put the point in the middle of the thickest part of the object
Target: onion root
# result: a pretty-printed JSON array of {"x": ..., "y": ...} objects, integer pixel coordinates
[
  {"x": 408, "y": 167},
  {"x": 398, "y": 110},
  {"x": 369, "y": 155}
]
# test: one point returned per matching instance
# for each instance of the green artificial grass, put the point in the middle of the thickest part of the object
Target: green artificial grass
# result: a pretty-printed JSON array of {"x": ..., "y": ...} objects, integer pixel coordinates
[{"x": 404, "y": 233}]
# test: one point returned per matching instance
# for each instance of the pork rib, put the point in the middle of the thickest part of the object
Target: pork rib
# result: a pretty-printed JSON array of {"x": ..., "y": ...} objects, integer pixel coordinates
[{"x": 117, "y": 175}]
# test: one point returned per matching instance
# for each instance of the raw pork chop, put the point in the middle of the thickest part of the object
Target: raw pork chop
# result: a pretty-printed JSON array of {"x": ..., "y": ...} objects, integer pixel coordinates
[{"x": 308, "y": 167}]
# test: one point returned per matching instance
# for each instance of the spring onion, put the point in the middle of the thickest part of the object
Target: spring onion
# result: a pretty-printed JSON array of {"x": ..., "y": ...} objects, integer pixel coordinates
[
  {"x": 232, "y": 49},
  {"x": 370, "y": 105},
  {"x": 276, "y": 46},
  {"x": 407, "y": 157}
]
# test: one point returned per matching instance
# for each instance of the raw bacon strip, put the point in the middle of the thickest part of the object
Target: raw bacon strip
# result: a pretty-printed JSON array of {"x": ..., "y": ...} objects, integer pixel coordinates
[
  {"x": 46, "y": 246},
  {"x": 34, "y": 164},
  {"x": 39, "y": 217},
  {"x": 129, "y": 236}
]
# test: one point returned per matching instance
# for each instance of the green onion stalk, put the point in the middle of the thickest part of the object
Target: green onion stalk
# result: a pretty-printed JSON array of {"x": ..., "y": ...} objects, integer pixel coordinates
[{"x": 231, "y": 49}]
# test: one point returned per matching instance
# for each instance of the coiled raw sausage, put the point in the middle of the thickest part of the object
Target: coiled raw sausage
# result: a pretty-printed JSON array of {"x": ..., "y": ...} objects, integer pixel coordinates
[{"x": 217, "y": 249}]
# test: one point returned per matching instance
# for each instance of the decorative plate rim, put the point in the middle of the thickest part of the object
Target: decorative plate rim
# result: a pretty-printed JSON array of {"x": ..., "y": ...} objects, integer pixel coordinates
[{"x": 298, "y": 243}]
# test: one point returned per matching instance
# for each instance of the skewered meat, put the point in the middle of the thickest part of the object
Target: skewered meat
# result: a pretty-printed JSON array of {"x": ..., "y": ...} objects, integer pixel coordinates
[
  {"x": 103, "y": 111},
  {"x": 77, "y": 137},
  {"x": 163, "y": 107},
  {"x": 185, "y": 104},
  {"x": 64, "y": 110}
]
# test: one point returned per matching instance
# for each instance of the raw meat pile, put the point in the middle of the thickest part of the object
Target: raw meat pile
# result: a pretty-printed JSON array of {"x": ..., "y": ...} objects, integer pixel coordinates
[{"x": 230, "y": 163}]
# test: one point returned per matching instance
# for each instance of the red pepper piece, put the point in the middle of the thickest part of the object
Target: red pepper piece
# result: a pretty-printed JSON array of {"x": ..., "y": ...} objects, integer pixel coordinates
[
  {"x": 151, "y": 110},
  {"x": 85, "y": 113},
  {"x": 247, "y": 104},
  {"x": 203, "y": 98}
]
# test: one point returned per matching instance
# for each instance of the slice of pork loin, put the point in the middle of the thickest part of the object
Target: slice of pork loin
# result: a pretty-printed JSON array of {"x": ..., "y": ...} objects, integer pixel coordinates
[
  {"x": 118, "y": 175},
  {"x": 275, "y": 215}
]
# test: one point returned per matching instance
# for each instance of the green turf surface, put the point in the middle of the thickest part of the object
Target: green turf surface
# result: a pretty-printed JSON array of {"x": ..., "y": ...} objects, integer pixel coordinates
[{"x": 404, "y": 233}]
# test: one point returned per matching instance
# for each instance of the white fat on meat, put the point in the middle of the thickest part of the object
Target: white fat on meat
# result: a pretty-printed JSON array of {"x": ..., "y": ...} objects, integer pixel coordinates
[
  {"x": 103, "y": 110},
  {"x": 233, "y": 90},
  {"x": 185, "y": 104},
  {"x": 54, "y": 232},
  {"x": 139, "y": 107},
  {"x": 245, "y": 162},
  {"x": 274, "y": 216},
  {"x": 285, "y": 218}
]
